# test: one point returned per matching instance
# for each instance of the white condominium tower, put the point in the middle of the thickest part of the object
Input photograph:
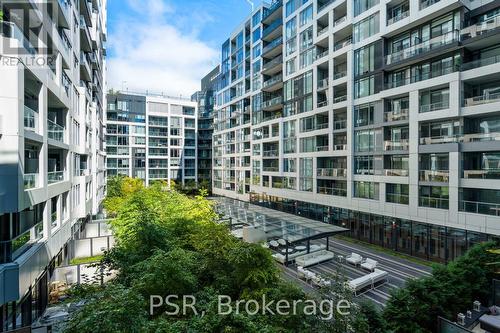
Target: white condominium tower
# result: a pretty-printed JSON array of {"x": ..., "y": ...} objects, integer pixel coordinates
[
  {"x": 52, "y": 159},
  {"x": 379, "y": 116},
  {"x": 152, "y": 137}
]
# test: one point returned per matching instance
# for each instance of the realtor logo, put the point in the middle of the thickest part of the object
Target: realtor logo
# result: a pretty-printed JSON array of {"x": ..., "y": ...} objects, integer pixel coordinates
[{"x": 25, "y": 26}]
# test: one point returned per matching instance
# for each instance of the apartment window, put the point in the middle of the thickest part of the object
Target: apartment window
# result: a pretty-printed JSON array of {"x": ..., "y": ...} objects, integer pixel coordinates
[
  {"x": 434, "y": 99},
  {"x": 306, "y": 16},
  {"x": 291, "y": 28},
  {"x": 308, "y": 145},
  {"x": 306, "y": 58},
  {"x": 397, "y": 193},
  {"x": 291, "y": 66},
  {"x": 289, "y": 129},
  {"x": 257, "y": 50},
  {"x": 289, "y": 145},
  {"x": 364, "y": 140},
  {"x": 256, "y": 35},
  {"x": 306, "y": 38},
  {"x": 366, "y": 190},
  {"x": 256, "y": 18},
  {"x": 256, "y": 66},
  {"x": 434, "y": 197},
  {"x": 364, "y": 165},
  {"x": 364, "y": 59},
  {"x": 289, "y": 165},
  {"x": 366, "y": 28},
  {"x": 306, "y": 174},
  {"x": 361, "y": 6},
  {"x": 291, "y": 46},
  {"x": 363, "y": 114},
  {"x": 364, "y": 87}
]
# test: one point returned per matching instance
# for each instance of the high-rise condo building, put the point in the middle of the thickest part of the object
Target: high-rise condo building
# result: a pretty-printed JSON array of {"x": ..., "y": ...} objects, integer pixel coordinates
[
  {"x": 205, "y": 100},
  {"x": 382, "y": 117},
  {"x": 152, "y": 137},
  {"x": 52, "y": 159}
]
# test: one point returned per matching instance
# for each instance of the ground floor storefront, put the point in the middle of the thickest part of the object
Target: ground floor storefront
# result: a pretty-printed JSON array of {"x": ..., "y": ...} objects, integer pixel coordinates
[{"x": 423, "y": 240}]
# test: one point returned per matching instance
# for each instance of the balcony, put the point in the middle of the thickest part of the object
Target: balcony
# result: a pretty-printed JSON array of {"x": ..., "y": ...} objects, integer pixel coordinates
[
  {"x": 340, "y": 20},
  {"x": 272, "y": 9},
  {"x": 480, "y": 28},
  {"x": 323, "y": 4},
  {"x": 86, "y": 42},
  {"x": 322, "y": 148},
  {"x": 323, "y": 84},
  {"x": 482, "y": 174},
  {"x": 85, "y": 71},
  {"x": 321, "y": 54},
  {"x": 439, "y": 176},
  {"x": 323, "y": 103},
  {"x": 340, "y": 124},
  {"x": 272, "y": 104},
  {"x": 445, "y": 39},
  {"x": 402, "y": 199},
  {"x": 273, "y": 82},
  {"x": 434, "y": 106},
  {"x": 55, "y": 177},
  {"x": 342, "y": 44},
  {"x": 269, "y": 30},
  {"x": 481, "y": 137},
  {"x": 396, "y": 172},
  {"x": 55, "y": 131},
  {"x": 440, "y": 139},
  {"x": 30, "y": 180},
  {"x": 432, "y": 202},
  {"x": 340, "y": 146},
  {"x": 398, "y": 17},
  {"x": 339, "y": 74},
  {"x": 396, "y": 115},
  {"x": 272, "y": 65},
  {"x": 483, "y": 99},
  {"x": 340, "y": 99},
  {"x": 332, "y": 172},
  {"x": 270, "y": 153},
  {"x": 267, "y": 50},
  {"x": 426, "y": 3},
  {"x": 480, "y": 63},
  {"x": 396, "y": 145},
  {"x": 476, "y": 207},
  {"x": 339, "y": 192},
  {"x": 270, "y": 169},
  {"x": 30, "y": 119},
  {"x": 322, "y": 30},
  {"x": 422, "y": 77},
  {"x": 10, "y": 30}
]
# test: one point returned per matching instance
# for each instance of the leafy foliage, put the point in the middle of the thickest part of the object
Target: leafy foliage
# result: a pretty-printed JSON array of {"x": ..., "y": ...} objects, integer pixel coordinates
[
  {"x": 169, "y": 244},
  {"x": 451, "y": 289}
]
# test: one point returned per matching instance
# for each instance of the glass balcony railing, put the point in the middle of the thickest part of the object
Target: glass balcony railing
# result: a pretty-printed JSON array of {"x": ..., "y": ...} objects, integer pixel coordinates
[
  {"x": 396, "y": 145},
  {"x": 431, "y": 202},
  {"x": 322, "y": 30},
  {"x": 10, "y": 30},
  {"x": 322, "y": 148},
  {"x": 340, "y": 20},
  {"x": 480, "y": 28},
  {"x": 340, "y": 146},
  {"x": 322, "y": 5},
  {"x": 270, "y": 153},
  {"x": 398, "y": 17},
  {"x": 482, "y": 174},
  {"x": 479, "y": 137},
  {"x": 434, "y": 106},
  {"x": 440, "y": 176},
  {"x": 339, "y": 74},
  {"x": 273, "y": 26},
  {"x": 426, "y": 3},
  {"x": 332, "y": 172},
  {"x": 340, "y": 124},
  {"x": 480, "y": 63},
  {"x": 271, "y": 64},
  {"x": 423, "y": 47},
  {"x": 342, "y": 44},
  {"x": 339, "y": 192},
  {"x": 396, "y": 115},
  {"x": 274, "y": 7},
  {"x": 421, "y": 77},
  {"x": 483, "y": 99},
  {"x": 55, "y": 131},
  {"x": 30, "y": 119},
  {"x": 278, "y": 41},
  {"x": 55, "y": 177},
  {"x": 272, "y": 102},
  {"x": 479, "y": 207},
  {"x": 441, "y": 139},
  {"x": 323, "y": 84},
  {"x": 30, "y": 180},
  {"x": 402, "y": 199},
  {"x": 340, "y": 99},
  {"x": 270, "y": 169},
  {"x": 272, "y": 81},
  {"x": 396, "y": 172}
]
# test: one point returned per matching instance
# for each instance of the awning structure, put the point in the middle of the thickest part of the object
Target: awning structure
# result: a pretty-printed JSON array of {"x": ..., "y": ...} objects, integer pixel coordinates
[{"x": 275, "y": 224}]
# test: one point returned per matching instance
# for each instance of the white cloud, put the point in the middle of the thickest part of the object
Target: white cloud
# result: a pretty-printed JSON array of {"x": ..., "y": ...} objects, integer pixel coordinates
[{"x": 151, "y": 52}]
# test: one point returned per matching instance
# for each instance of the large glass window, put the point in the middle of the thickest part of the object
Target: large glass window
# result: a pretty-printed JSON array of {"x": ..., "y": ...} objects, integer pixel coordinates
[
  {"x": 363, "y": 114},
  {"x": 361, "y": 6},
  {"x": 306, "y": 15},
  {"x": 366, "y": 190},
  {"x": 366, "y": 28},
  {"x": 364, "y": 59}
]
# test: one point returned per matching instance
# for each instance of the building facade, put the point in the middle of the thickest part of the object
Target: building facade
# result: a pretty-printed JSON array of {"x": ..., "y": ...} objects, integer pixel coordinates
[
  {"x": 205, "y": 100},
  {"x": 152, "y": 137},
  {"x": 378, "y": 116},
  {"x": 52, "y": 158}
]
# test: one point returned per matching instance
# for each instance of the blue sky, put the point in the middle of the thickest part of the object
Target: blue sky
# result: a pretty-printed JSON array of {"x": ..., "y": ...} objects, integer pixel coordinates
[{"x": 167, "y": 45}]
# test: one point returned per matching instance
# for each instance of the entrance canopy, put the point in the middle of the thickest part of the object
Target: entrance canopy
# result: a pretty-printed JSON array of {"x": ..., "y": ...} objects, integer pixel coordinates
[{"x": 274, "y": 224}]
